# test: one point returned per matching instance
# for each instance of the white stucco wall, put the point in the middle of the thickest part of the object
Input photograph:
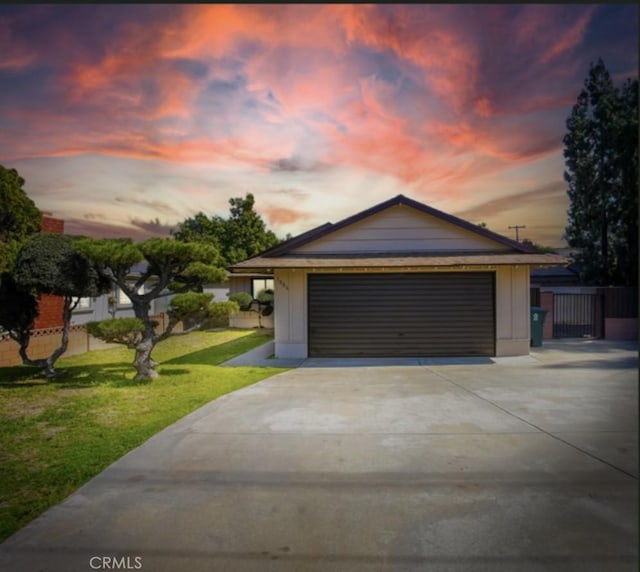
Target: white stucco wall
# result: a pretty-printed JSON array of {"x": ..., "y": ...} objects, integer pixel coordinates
[
  {"x": 512, "y": 311},
  {"x": 220, "y": 293},
  {"x": 290, "y": 313}
]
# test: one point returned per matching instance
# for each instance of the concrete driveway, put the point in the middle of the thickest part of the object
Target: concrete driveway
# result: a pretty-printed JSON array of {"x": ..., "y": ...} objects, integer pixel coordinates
[{"x": 524, "y": 464}]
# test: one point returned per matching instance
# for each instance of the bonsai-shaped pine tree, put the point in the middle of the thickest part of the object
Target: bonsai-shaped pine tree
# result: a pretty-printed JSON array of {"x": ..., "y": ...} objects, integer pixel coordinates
[{"x": 170, "y": 266}]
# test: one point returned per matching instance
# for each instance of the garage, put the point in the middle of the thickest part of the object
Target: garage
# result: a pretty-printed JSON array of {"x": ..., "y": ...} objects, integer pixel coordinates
[
  {"x": 400, "y": 279},
  {"x": 401, "y": 314}
]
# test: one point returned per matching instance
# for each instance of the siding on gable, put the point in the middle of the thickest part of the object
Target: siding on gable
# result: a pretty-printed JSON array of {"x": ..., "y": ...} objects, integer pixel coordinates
[{"x": 401, "y": 229}]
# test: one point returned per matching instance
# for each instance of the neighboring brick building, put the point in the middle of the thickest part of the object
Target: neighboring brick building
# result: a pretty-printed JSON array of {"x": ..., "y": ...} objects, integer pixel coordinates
[
  {"x": 51, "y": 224},
  {"x": 50, "y": 307}
]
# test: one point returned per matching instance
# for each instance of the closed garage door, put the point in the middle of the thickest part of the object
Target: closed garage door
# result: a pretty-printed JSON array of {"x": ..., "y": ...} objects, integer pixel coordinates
[{"x": 387, "y": 315}]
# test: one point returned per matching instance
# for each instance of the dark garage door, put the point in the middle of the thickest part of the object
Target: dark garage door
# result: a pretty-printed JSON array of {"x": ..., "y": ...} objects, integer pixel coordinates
[{"x": 414, "y": 314}]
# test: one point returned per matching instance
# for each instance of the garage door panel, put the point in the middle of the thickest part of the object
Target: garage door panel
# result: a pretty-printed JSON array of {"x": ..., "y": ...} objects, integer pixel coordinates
[{"x": 443, "y": 314}]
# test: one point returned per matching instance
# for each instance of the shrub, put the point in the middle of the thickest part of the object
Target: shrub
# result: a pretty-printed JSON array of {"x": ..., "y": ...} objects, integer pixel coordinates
[
  {"x": 265, "y": 296},
  {"x": 243, "y": 299},
  {"x": 219, "y": 314},
  {"x": 265, "y": 301},
  {"x": 126, "y": 331},
  {"x": 190, "y": 308}
]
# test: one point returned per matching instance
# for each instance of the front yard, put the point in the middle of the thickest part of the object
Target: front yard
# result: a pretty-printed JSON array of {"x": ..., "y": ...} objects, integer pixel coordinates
[{"x": 55, "y": 436}]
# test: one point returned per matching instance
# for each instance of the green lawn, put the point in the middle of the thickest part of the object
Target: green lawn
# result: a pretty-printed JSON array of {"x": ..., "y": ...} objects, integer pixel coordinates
[{"x": 55, "y": 436}]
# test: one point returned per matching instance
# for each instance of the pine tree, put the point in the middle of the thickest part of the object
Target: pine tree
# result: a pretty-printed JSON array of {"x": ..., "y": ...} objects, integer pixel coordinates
[{"x": 601, "y": 147}]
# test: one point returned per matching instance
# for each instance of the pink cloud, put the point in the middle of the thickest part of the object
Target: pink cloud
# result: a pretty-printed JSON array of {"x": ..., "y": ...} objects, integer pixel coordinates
[
  {"x": 282, "y": 215},
  {"x": 375, "y": 136},
  {"x": 508, "y": 145},
  {"x": 571, "y": 38},
  {"x": 299, "y": 61},
  {"x": 316, "y": 89},
  {"x": 446, "y": 62}
]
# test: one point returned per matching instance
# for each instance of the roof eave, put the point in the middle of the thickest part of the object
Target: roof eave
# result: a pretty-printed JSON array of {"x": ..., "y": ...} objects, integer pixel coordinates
[{"x": 532, "y": 260}]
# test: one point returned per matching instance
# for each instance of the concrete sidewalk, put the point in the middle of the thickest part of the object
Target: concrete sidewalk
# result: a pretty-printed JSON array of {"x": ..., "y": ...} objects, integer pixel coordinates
[{"x": 450, "y": 467}]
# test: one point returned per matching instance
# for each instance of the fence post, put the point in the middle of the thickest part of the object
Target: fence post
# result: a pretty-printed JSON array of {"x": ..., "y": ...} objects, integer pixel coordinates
[
  {"x": 599, "y": 329},
  {"x": 546, "y": 302}
]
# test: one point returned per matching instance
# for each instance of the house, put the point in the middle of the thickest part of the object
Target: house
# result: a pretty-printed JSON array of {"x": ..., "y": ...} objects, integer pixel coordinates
[
  {"x": 400, "y": 279},
  {"x": 252, "y": 284},
  {"x": 554, "y": 276},
  {"x": 116, "y": 304},
  {"x": 561, "y": 275}
]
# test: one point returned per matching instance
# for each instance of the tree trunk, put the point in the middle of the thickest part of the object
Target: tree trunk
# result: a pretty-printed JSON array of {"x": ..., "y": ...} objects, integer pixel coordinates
[
  {"x": 143, "y": 363},
  {"x": 145, "y": 366},
  {"x": 47, "y": 363}
]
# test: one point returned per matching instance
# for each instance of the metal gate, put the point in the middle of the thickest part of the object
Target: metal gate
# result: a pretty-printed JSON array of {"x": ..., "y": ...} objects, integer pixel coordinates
[{"x": 576, "y": 316}]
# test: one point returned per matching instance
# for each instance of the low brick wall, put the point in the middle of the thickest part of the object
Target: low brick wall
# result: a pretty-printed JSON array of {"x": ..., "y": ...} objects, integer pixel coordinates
[
  {"x": 621, "y": 328},
  {"x": 250, "y": 320},
  {"x": 43, "y": 343}
]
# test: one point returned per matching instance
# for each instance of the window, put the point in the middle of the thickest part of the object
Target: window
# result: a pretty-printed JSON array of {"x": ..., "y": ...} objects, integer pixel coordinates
[
  {"x": 123, "y": 299},
  {"x": 258, "y": 284},
  {"x": 83, "y": 304}
]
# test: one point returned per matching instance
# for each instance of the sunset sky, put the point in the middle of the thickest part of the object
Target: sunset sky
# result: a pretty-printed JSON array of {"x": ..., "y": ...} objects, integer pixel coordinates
[{"x": 126, "y": 119}]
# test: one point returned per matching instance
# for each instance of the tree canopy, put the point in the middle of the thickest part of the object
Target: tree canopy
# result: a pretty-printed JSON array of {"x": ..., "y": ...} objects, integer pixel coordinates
[
  {"x": 50, "y": 264},
  {"x": 240, "y": 236},
  {"x": 601, "y": 170},
  {"x": 46, "y": 264},
  {"x": 19, "y": 216}
]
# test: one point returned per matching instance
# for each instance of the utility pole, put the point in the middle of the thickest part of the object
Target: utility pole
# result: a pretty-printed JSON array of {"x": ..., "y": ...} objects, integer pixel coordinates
[{"x": 517, "y": 227}]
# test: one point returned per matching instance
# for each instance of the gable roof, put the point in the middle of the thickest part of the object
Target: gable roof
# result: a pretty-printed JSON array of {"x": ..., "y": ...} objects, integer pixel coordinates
[
  {"x": 286, "y": 254},
  {"x": 328, "y": 228}
]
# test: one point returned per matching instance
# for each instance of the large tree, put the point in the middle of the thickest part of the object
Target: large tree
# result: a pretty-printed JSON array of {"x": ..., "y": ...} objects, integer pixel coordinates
[
  {"x": 19, "y": 217},
  {"x": 242, "y": 235},
  {"x": 148, "y": 270},
  {"x": 46, "y": 264},
  {"x": 601, "y": 170}
]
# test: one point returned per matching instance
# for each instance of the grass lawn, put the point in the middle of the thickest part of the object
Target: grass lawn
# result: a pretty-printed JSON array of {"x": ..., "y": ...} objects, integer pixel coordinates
[{"x": 55, "y": 436}]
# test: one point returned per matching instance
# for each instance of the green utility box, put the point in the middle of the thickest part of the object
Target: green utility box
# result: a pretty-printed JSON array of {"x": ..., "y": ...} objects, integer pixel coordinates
[{"x": 537, "y": 324}]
